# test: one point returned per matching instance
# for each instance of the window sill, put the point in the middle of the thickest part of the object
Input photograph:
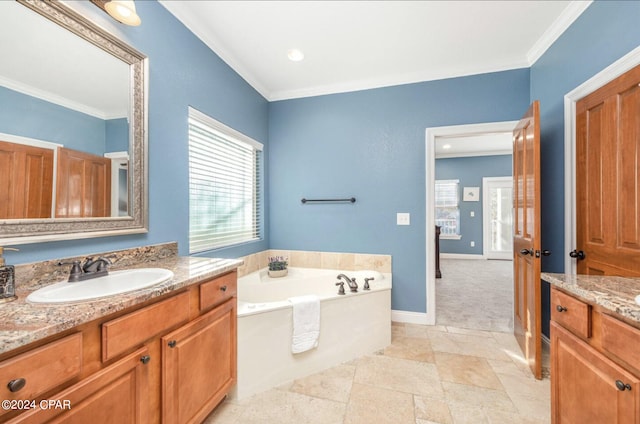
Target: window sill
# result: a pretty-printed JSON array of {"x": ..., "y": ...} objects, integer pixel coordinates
[{"x": 450, "y": 237}]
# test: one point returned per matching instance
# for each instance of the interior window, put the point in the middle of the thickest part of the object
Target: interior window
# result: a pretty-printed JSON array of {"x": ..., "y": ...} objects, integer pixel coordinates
[
  {"x": 224, "y": 185},
  {"x": 447, "y": 207}
]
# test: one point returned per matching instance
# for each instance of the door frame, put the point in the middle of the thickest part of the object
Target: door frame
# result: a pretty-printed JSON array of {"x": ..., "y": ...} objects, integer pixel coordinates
[
  {"x": 486, "y": 235},
  {"x": 611, "y": 72},
  {"x": 430, "y": 160}
]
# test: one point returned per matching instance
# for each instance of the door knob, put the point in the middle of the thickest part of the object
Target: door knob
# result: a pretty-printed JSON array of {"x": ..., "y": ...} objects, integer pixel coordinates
[
  {"x": 577, "y": 254},
  {"x": 526, "y": 252}
]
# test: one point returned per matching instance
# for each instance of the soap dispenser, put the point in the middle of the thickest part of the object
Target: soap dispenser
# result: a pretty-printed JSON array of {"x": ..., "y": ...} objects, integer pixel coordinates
[{"x": 7, "y": 279}]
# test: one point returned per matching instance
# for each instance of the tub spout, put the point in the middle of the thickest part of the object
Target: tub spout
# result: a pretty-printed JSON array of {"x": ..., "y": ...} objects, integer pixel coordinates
[{"x": 351, "y": 282}]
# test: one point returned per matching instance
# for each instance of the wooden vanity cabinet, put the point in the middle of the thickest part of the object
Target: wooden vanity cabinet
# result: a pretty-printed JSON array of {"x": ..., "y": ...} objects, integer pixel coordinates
[
  {"x": 590, "y": 383},
  {"x": 170, "y": 360}
]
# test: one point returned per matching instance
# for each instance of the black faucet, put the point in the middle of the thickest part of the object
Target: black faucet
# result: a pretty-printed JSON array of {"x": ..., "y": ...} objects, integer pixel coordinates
[
  {"x": 89, "y": 269},
  {"x": 351, "y": 282}
]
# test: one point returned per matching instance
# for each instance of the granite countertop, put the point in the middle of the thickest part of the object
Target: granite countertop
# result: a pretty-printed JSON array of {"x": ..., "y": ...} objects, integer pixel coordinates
[
  {"x": 615, "y": 294},
  {"x": 22, "y": 322}
]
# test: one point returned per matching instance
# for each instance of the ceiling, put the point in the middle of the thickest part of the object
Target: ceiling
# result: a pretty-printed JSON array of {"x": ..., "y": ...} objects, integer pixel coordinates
[
  {"x": 486, "y": 144},
  {"x": 355, "y": 45}
]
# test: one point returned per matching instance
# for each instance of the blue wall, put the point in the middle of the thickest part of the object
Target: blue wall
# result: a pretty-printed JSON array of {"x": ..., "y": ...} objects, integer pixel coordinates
[
  {"x": 183, "y": 72},
  {"x": 371, "y": 144},
  {"x": 28, "y": 116},
  {"x": 117, "y": 135},
  {"x": 605, "y": 32},
  {"x": 470, "y": 170}
]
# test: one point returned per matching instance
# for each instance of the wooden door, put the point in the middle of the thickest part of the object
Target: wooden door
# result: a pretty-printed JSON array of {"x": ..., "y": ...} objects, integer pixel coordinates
[
  {"x": 26, "y": 173},
  {"x": 199, "y": 365},
  {"x": 526, "y": 237},
  {"x": 607, "y": 178},
  {"x": 583, "y": 384},
  {"x": 83, "y": 187}
]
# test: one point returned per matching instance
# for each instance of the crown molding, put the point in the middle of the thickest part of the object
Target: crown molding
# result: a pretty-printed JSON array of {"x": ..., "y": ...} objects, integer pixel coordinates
[{"x": 557, "y": 28}]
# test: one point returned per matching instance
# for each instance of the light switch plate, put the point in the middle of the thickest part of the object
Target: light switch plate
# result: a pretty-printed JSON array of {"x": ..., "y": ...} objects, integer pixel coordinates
[{"x": 403, "y": 218}]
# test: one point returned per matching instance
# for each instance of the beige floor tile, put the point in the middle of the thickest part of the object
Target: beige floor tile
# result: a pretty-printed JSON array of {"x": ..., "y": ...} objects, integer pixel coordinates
[
  {"x": 402, "y": 375},
  {"x": 432, "y": 410},
  {"x": 415, "y": 349},
  {"x": 526, "y": 386},
  {"x": 462, "y": 344},
  {"x": 463, "y": 413},
  {"x": 333, "y": 384},
  {"x": 226, "y": 413},
  {"x": 469, "y": 370},
  {"x": 478, "y": 397},
  {"x": 283, "y": 407},
  {"x": 370, "y": 404},
  {"x": 532, "y": 407},
  {"x": 502, "y": 417},
  {"x": 417, "y": 331}
]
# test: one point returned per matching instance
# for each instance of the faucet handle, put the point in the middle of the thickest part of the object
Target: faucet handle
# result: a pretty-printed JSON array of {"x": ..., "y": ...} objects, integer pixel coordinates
[
  {"x": 341, "y": 289},
  {"x": 103, "y": 262},
  {"x": 366, "y": 283},
  {"x": 76, "y": 270}
]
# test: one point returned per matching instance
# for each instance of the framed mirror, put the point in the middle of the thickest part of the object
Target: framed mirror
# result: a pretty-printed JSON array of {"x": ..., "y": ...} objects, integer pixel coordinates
[{"x": 73, "y": 127}]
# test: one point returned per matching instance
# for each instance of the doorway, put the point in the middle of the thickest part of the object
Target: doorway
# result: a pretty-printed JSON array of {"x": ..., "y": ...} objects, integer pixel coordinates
[{"x": 433, "y": 135}]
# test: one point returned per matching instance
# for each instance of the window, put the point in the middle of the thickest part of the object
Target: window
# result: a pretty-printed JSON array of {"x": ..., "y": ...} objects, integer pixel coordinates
[
  {"x": 224, "y": 185},
  {"x": 447, "y": 209}
]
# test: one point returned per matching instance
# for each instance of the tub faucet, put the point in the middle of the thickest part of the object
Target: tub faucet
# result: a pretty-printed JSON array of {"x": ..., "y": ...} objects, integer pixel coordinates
[{"x": 351, "y": 282}]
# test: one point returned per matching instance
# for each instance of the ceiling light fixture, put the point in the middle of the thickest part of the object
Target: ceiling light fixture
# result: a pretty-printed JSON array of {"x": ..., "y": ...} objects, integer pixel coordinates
[
  {"x": 123, "y": 11},
  {"x": 295, "y": 55},
  {"x": 446, "y": 146}
]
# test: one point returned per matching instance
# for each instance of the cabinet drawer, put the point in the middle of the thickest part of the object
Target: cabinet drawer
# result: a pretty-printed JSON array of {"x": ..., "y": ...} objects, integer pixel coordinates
[
  {"x": 571, "y": 313},
  {"x": 42, "y": 369},
  {"x": 621, "y": 339},
  {"x": 219, "y": 290},
  {"x": 131, "y": 330}
]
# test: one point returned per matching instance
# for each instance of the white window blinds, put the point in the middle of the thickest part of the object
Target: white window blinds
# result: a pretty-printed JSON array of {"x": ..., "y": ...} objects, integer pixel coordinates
[{"x": 224, "y": 185}]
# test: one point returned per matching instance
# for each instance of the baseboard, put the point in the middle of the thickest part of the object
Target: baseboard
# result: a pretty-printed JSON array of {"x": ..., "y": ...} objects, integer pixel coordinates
[
  {"x": 460, "y": 256},
  {"x": 409, "y": 317}
]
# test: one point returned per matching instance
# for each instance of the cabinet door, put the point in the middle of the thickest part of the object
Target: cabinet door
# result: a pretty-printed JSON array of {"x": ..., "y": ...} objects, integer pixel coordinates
[
  {"x": 584, "y": 384},
  {"x": 199, "y": 365},
  {"x": 117, "y": 394}
]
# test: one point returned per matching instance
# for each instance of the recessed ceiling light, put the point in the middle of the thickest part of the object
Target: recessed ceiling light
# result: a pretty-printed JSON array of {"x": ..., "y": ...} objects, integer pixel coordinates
[
  {"x": 446, "y": 146},
  {"x": 295, "y": 55}
]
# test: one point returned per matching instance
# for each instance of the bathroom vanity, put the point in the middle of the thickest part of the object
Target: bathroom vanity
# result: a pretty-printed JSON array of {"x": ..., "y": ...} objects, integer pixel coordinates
[
  {"x": 162, "y": 354},
  {"x": 595, "y": 360}
]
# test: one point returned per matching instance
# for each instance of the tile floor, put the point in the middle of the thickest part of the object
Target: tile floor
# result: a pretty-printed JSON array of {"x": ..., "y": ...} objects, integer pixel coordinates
[
  {"x": 475, "y": 294},
  {"x": 429, "y": 374}
]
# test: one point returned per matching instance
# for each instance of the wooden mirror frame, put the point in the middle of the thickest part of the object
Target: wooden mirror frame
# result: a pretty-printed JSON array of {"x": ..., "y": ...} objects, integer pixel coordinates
[{"x": 20, "y": 231}]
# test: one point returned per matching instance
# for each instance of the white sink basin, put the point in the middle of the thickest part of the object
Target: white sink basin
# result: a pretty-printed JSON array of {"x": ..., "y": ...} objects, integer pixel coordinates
[{"x": 117, "y": 282}]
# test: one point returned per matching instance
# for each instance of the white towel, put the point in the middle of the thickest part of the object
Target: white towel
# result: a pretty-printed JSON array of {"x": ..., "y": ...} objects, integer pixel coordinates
[{"x": 306, "y": 323}]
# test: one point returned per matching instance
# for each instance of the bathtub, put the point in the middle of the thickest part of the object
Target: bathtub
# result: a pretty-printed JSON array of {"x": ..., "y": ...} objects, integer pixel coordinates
[{"x": 351, "y": 325}]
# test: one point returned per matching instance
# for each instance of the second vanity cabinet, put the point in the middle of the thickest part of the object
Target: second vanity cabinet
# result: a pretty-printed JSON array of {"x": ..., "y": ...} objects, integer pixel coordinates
[
  {"x": 595, "y": 364},
  {"x": 171, "y": 360}
]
